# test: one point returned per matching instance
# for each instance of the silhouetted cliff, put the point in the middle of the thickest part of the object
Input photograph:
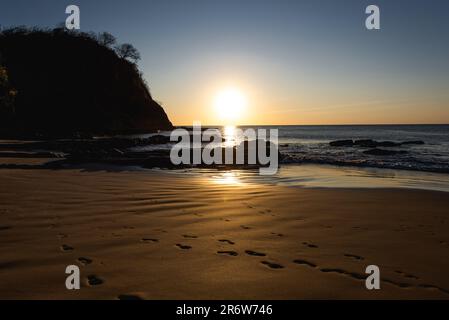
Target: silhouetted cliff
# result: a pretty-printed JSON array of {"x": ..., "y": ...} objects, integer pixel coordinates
[{"x": 66, "y": 83}]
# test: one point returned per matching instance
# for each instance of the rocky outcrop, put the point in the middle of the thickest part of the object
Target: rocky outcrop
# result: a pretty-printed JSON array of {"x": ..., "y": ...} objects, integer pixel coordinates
[
  {"x": 369, "y": 143},
  {"x": 383, "y": 152},
  {"x": 342, "y": 143},
  {"x": 68, "y": 85}
]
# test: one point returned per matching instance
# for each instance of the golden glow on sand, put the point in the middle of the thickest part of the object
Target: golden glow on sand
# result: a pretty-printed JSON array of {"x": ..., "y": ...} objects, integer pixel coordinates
[{"x": 229, "y": 178}]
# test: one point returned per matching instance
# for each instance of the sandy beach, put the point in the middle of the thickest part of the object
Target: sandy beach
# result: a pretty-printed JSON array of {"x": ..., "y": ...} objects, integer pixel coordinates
[
  {"x": 162, "y": 235},
  {"x": 230, "y": 151}
]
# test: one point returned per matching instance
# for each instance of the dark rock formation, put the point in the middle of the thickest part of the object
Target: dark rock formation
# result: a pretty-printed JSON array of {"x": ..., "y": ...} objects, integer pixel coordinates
[
  {"x": 388, "y": 144},
  {"x": 383, "y": 152},
  {"x": 418, "y": 142},
  {"x": 369, "y": 143},
  {"x": 342, "y": 143},
  {"x": 68, "y": 84}
]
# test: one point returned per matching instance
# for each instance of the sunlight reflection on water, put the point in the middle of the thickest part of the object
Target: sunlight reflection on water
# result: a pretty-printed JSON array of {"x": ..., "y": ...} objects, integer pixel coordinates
[
  {"x": 230, "y": 136},
  {"x": 227, "y": 178},
  {"x": 326, "y": 176}
]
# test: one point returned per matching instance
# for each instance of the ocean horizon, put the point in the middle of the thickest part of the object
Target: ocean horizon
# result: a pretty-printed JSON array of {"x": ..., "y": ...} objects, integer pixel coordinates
[{"x": 311, "y": 145}]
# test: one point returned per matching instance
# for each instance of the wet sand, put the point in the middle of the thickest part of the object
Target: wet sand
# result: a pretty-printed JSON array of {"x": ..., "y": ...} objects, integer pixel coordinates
[{"x": 160, "y": 235}]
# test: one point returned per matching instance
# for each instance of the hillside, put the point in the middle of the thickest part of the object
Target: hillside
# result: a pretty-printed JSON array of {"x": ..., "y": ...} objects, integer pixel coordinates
[{"x": 66, "y": 84}]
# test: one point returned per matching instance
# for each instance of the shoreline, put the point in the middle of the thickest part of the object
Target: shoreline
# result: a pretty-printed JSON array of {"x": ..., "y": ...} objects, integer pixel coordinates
[
  {"x": 292, "y": 174},
  {"x": 159, "y": 235}
]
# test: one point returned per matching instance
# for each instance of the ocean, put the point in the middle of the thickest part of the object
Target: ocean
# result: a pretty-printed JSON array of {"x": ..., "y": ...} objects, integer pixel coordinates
[
  {"x": 310, "y": 161},
  {"x": 310, "y": 144}
]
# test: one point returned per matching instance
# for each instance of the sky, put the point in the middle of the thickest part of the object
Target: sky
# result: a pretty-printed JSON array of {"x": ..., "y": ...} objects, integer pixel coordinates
[{"x": 290, "y": 61}]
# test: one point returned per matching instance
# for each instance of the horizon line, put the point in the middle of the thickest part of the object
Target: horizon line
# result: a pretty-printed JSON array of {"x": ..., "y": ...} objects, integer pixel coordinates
[{"x": 312, "y": 125}]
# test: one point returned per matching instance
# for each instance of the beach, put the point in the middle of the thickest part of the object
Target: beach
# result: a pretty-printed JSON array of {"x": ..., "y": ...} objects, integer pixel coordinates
[
  {"x": 158, "y": 234},
  {"x": 212, "y": 153}
]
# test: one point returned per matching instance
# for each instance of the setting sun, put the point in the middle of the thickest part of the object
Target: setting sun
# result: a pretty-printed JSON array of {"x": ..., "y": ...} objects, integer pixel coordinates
[{"x": 230, "y": 104}]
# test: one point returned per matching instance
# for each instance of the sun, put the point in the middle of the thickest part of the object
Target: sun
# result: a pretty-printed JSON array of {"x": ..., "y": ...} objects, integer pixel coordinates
[{"x": 230, "y": 104}]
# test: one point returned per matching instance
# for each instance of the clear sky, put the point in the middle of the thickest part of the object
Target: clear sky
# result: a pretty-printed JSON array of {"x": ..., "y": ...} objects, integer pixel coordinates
[{"x": 291, "y": 61}]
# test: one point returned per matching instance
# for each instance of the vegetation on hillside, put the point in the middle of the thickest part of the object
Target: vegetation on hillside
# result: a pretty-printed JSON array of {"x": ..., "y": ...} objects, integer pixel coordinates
[{"x": 56, "y": 82}]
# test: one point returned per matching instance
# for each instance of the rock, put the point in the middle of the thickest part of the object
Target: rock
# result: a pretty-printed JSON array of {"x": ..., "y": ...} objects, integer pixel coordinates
[
  {"x": 367, "y": 143},
  {"x": 223, "y": 139},
  {"x": 159, "y": 139},
  {"x": 383, "y": 152},
  {"x": 342, "y": 143},
  {"x": 419, "y": 142},
  {"x": 117, "y": 152},
  {"x": 370, "y": 143},
  {"x": 388, "y": 144},
  {"x": 43, "y": 155}
]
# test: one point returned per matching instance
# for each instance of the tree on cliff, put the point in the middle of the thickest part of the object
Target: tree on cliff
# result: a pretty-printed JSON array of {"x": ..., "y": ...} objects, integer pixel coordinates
[
  {"x": 127, "y": 51},
  {"x": 106, "y": 39}
]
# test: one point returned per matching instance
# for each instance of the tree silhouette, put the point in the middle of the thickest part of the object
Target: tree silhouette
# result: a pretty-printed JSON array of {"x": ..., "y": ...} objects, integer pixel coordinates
[
  {"x": 127, "y": 51},
  {"x": 106, "y": 39}
]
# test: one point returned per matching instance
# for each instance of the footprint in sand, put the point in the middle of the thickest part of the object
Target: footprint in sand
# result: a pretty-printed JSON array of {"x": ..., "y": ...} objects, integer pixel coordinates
[
  {"x": 188, "y": 236},
  {"x": 305, "y": 263},
  {"x": 248, "y": 205},
  {"x": 354, "y": 256},
  {"x": 66, "y": 248},
  {"x": 183, "y": 247},
  {"x": 129, "y": 297},
  {"x": 272, "y": 265},
  {"x": 229, "y": 253},
  {"x": 397, "y": 284},
  {"x": 150, "y": 240},
  {"x": 85, "y": 261},
  {"x": 354, "y": 275},
  {"x": 277, "y": 234},
  {"x": 93, "y": 280},
  {"x": 254, "y": 253},
  {"x": 429, "y": 286},
  {"x": 407, "y": 275},
  {"x": 226, "y": 241},
  {"x": 310, "y": 245}
]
